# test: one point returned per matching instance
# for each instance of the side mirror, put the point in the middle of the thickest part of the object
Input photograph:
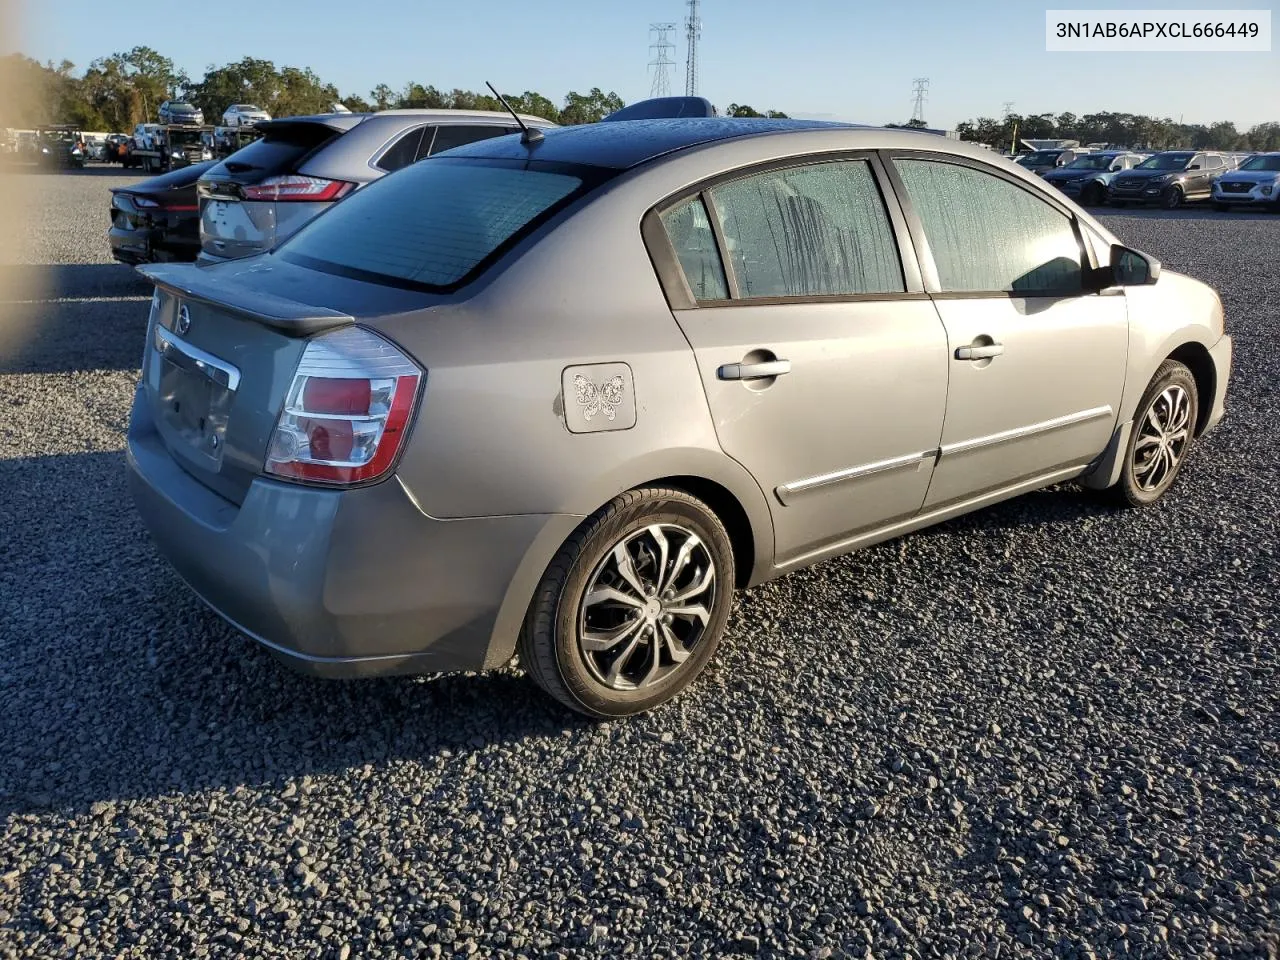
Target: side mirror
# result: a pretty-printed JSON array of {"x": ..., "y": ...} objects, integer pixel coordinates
[
  {"x": 1194, "y": 166},
  {"x": 1132, "y": 268}
]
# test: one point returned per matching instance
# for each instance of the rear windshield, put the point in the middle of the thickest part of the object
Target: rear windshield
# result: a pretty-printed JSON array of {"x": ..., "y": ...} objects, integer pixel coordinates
[
  {"x": 436, "y": 223},
  {"x": 279, "y": 151}
]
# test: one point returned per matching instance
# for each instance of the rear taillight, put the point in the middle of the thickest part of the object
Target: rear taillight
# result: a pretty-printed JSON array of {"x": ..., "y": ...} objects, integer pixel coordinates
[
  {"x": 347, "y": 411},
  {"x": 296, "y": 187}
]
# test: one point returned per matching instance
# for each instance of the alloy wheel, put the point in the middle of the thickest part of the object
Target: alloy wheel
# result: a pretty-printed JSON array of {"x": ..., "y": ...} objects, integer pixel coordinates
[
  {"x": 1162, "y": 438},
  {"x": 646, "y": 607}
]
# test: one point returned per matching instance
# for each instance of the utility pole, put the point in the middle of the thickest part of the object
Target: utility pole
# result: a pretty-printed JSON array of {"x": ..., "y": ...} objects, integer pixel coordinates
[
  {"x": 693, "y": 32},
  {"x": 662, "y": 49},
  {"x": 920, "y": 93}
]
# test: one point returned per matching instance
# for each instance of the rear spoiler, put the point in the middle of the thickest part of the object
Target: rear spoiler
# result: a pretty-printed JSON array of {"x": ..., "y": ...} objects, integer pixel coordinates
[{"x": 225, "y": 290}]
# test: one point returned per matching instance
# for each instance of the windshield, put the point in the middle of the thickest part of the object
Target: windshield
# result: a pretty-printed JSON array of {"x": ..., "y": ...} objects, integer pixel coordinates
[
  {"x": 1090, "y": 163},
  {"x": 1166, "y": 161},
  {"x": 1270, "y": 164},
  {"x": 436, "y": 223},
  {"x": 180, "y": 138},
  {"x": 1040, "y": 158}
]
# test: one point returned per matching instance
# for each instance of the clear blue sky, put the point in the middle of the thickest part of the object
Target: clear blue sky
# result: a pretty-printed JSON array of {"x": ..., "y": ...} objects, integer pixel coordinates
[{"x": 846, "y": 60}]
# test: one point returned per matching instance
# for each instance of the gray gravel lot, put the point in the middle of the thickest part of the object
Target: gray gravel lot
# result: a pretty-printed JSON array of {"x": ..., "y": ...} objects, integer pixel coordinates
[{"x": 1048, "y": 729}]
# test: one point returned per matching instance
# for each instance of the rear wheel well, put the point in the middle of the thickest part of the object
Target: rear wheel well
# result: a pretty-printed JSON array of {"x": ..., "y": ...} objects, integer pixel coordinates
[
  {"x": 725, "y": 506},
  {"x": 1196, "y": 358}
]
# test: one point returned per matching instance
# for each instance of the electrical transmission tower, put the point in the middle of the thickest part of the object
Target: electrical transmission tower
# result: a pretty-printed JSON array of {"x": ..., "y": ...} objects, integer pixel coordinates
[
  {"x": 919, "y": 93},
  {"x": 662, "y": 49},
  {"x": 693, "y": 32}
]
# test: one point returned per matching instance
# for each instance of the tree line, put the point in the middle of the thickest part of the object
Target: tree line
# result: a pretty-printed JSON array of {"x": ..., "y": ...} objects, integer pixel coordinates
[
  {"x": 1127, "y": 129},
  {"x": 117, "y": 92}
]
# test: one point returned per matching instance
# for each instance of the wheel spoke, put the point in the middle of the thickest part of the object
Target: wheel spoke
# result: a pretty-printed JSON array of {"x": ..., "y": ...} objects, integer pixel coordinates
[
  {"x": 1153, "y": 417},
  {"x": 620, "y": 662},
  {"x": 660, "y": 539},
  {"x": 695, "y": 589},
  {"x": 1146, "y": 440},
  {"x": 676, "y": 650},
  {"x": 627, "y": 569},
  {"x": 697, "y": 612},
  {"x": 681, "y": 561},
  {"x": 655, "y": 660},
  {"x": 603, "y": 594},
  {"x": 600, "y": 642}
]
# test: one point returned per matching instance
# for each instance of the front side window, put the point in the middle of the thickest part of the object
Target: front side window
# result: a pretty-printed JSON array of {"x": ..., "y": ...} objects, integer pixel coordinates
[
  {"x": 689, "y": 230},
  {"x": 817, "y": 230},
  {"x": 988, "y": 235}
]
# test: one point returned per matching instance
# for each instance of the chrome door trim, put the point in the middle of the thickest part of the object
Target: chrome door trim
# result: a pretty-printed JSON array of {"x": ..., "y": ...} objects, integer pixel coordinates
[
  {"x": 182, "y": 354},
  {"x": 788, "y": 491},
  {"x": 1031, "y": 430}
]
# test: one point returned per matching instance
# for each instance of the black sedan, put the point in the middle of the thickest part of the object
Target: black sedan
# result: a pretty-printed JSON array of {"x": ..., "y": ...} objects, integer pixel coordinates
[{"x": 157, "y": 220}]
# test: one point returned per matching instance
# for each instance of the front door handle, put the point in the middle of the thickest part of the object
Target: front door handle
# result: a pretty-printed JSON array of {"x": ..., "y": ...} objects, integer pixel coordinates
[
  {"x": 985, "y": 352},
  {"x": 754, "y": 371}
]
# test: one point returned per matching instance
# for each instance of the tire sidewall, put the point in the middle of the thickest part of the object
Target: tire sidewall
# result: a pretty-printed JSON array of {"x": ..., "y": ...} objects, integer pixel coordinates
[
  {"x": 1172, "y": 373},
  {"x": 1172, "y": 198},
  {"x": 582, "y": 686}
]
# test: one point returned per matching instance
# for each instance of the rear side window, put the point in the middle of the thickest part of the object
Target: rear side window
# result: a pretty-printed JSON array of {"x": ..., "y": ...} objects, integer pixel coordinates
[
  {"x": 433, "y": 224},
  {"x": 988, "y": 235},
  {"x": 456, "y": 135},
  {"x": 689, "y": 230},
  {"x": 404, "y": 151},
  {"x": 817, "y": 230}
]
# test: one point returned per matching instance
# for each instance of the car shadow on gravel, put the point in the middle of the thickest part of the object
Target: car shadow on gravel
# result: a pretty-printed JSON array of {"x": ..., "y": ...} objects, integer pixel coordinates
[
  {"x": 118, "y": 684},
  {"x": 75, "y": 316}
]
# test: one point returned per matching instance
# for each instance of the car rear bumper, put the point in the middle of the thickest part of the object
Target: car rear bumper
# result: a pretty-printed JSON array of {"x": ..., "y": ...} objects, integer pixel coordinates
[
  {"x": 343, "y": 583},
  {"x": 150, "y": 245}
]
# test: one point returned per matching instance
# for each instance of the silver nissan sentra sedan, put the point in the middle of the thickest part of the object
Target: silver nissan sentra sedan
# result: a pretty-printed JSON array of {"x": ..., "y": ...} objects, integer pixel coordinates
[{"x": 561, "y": 396}]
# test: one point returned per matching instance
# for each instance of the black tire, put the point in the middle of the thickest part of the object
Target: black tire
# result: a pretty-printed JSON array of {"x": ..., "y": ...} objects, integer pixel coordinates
[
  {"x": 1130, "y": 490},
  {"x": 1172, "y": 198},
  {"x": 1093, "y": 194},
  {"x": 549, "y": 647}
]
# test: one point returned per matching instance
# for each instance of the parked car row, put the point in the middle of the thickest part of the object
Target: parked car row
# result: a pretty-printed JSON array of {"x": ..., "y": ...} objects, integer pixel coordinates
[
  {"x": 667, "y": 300},
  {"x": 1168, "y": 179}
]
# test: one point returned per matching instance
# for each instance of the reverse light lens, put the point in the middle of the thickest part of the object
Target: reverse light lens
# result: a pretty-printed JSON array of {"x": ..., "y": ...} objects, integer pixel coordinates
[
  {"x": 296, "y": 187},
  {"x": 347, "y": 410}
]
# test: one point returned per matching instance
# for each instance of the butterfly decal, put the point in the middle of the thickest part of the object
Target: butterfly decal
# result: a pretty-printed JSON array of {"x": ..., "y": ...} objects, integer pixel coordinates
[{"x": 603, "y": 398}]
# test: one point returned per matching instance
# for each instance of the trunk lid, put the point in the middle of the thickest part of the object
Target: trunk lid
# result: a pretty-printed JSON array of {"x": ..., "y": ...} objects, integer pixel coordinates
[
  {"x": 219, "y": 359},
  {"x": 233, "y": 227},
  {"x": 223, "y": 344}
]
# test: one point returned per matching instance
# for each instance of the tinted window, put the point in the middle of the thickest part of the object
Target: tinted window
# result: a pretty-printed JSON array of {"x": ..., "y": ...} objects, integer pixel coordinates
[
  {"x": 809, "y": 231},
  {"x": 987, "y": 234},
  {"x": 695, "y": 244},
  {"x": 455, "y": 136},
  {"x": 432, "y": 224},
  {"x": 280, "y": 151},
  {"x": 403, "y": 152}
]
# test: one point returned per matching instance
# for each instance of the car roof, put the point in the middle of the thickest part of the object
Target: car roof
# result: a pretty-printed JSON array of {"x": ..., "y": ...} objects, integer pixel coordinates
[
  {"x": 628, "y": 143},
  {"x": 445, "y": 114}
]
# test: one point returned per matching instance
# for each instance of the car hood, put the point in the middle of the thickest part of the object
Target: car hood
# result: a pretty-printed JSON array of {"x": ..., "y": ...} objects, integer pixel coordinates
[
  {"x": 1147, "y": 174},
  {"x": 1065, "y": 174},
  {"x": 1250, "y": 176}
]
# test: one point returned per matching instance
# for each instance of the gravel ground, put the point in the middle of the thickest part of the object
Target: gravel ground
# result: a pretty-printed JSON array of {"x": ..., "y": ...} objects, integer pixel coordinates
[{"x": 1047, "y": 729}]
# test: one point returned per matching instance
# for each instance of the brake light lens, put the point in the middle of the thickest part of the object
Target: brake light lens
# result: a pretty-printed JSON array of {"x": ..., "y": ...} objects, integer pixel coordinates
[
  {"x": 295, "y": 187},
  {"x": 347, "y": 411}
]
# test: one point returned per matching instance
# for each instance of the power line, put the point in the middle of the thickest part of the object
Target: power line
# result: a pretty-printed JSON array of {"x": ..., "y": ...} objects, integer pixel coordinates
[
  {"x": 693, "y": 32},
  {"x": 1008, "y": 108},
  {"x": 919, "y": 93},
  {"x": 662, "y": 48}
]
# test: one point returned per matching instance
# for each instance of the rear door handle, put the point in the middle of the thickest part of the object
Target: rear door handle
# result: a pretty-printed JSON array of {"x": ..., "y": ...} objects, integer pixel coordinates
[
  {"x": 979, "y": 353},
  {"x": 754, "y": 371}
]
